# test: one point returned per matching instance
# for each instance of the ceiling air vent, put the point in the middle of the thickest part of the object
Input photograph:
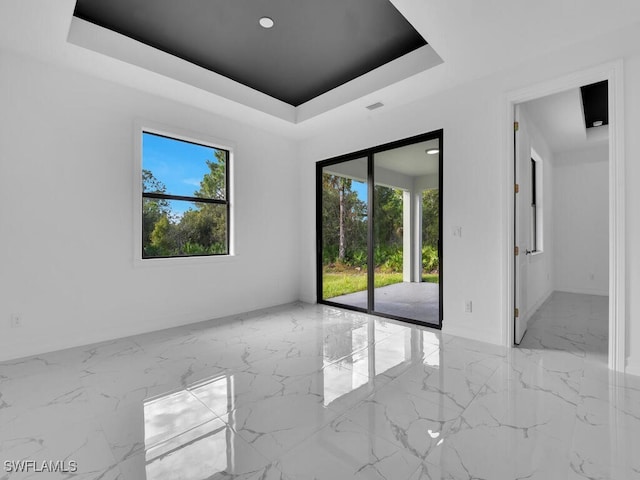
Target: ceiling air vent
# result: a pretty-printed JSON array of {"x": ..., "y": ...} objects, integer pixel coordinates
[{"x": 373, "y": 106}]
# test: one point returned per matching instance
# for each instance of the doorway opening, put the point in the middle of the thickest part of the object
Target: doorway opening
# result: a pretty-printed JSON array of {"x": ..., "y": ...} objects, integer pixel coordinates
[
  {"x": 579, "y": 272},
  {"x": 379, "y": 230}
]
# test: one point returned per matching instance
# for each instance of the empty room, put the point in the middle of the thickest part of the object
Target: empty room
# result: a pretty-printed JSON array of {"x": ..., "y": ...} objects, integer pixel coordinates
[{"x": 369, "y": 239}]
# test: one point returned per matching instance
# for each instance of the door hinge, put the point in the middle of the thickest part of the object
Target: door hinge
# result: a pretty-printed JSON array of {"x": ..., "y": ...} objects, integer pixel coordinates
[
  {"x": 517, "y": 251},
  {"x": 517, "y": 188},
  {"x": 516, "y": 126},
  {"x": 517, "y": 313}
]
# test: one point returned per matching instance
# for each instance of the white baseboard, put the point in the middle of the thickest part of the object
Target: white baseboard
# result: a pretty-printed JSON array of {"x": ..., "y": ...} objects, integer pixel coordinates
[
  {"x": 308, "y": 299},
  {"x": 633, "y": 369},
  {"x": 534, "y": 308},
  {"x": 480, "y": 336},
  {"x": 583, "y": 291},
  {"x": 30, "y": 347}
]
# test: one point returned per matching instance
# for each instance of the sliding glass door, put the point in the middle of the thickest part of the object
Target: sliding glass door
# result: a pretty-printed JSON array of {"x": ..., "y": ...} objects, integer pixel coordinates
[
  {"x": 345, "y": 227},
  {"x": 379, "y": 230},
  {"x": 406, "y": 278}
]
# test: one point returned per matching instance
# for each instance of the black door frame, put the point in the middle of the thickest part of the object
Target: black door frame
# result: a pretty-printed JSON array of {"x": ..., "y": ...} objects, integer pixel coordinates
[{"x": 369, "y": 155}]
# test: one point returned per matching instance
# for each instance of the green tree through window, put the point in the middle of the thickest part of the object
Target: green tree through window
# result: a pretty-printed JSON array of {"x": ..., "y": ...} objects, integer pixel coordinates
[{"x": 177, "y": 222}]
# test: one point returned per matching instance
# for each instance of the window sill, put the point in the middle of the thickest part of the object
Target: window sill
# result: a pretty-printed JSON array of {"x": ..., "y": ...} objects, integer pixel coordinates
[{"x": 183, "y": 261}]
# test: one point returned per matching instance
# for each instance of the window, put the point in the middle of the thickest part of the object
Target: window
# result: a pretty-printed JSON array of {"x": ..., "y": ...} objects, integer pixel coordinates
[
  {"x": 185, "y": 198},
  {"x": 536, "y": 203},
  {"x": 534, "y": 210}
]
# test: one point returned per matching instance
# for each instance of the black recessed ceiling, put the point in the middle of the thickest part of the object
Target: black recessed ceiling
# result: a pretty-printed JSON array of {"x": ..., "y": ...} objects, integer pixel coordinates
[
  {"x": 314, "y": 46},
  {"x": 595, "y": 103}
]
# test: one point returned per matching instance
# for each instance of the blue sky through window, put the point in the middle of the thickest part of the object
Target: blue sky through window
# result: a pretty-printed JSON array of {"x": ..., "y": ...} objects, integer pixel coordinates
[
  {"x": 361, "y": 190},
  {"x": 179, "y": 165}
]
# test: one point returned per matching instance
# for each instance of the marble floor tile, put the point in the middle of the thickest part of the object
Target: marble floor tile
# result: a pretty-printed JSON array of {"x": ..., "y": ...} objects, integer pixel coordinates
[
  {"x": 451, "y": 379},
  {"x": 210, "y": 450},
  {"x": 82, "y": 443},
  {"x": 344, "y": 450},
  {"x": 606, "y": 439},
  {"x": 604, "y": 451},
  {"x": 225, "y": 393},
  {"x": 33, "y": 403},
  {"x": 315, "y": 392},
  {"x": 28, "y": 366},
  {"x": 414, "y": 424},
  {"x": 277, "y": 424}
]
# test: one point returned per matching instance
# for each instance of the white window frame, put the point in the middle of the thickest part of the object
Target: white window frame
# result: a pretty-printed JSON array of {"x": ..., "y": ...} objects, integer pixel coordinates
[
  {"x": 537, "y": 243},
  {"x": 142, "y": 126}
]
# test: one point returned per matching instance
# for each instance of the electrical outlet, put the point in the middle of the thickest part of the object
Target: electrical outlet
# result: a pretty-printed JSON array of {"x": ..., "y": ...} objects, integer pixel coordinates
[
  {"x": 468, "y": 306},
  {"x": 16, "y": 320}
]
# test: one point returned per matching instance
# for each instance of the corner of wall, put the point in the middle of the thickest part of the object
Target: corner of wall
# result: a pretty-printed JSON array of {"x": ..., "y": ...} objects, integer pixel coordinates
[{"x": 633, "y": 368}]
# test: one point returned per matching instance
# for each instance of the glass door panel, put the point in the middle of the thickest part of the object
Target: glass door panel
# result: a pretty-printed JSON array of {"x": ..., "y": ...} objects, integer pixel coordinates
[
  {"x": 344, "y": 233},
  {"x": 406, "y": 232}
]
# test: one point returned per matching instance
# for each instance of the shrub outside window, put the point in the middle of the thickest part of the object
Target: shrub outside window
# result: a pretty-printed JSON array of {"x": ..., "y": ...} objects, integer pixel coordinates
[{"x": 185, "y": 198}]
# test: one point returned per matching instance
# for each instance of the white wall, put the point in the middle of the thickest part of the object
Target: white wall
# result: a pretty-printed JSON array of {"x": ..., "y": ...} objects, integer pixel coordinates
[
  {"x": 475, "y": 174},
  {"x": 471, "y": 196},
  {"x": 632, "y": 173},
  {"x": 66, "y": 215},
  {"x": 581, "y": 221},
  {"x": 536, "y": 276},
  {"x": 66, "y": 265}
]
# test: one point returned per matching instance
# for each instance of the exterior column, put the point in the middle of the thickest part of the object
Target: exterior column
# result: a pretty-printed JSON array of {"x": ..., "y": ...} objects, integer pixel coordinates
[
  {"x": 417, "y": 236},
  {"x": 411, "y": 236},
  {"x": 407, "y": 237}
]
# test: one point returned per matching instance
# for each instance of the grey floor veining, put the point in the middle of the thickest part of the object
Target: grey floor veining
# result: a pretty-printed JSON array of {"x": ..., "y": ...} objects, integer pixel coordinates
[
  {"x": 314, "y": 392},
  {"x": 572, "y": 323}
]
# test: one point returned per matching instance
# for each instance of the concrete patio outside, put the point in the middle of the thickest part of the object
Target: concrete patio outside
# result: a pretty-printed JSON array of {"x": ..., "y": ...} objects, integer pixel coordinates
[{"x": 411, "y": 300}]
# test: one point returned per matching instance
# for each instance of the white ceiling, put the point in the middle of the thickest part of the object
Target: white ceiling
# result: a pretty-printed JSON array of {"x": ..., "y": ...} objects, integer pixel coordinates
[
  {"x": 473, "y": 38},
  {"x": 559, "y": 119},
  {"x": 411, "y": 160}
]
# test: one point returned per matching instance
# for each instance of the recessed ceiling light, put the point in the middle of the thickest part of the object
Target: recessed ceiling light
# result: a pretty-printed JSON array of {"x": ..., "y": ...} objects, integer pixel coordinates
[
  {"x": 597, "y": 123},
  {"x": 266, "y": 22},
  {"x": 432, "y": 151}
]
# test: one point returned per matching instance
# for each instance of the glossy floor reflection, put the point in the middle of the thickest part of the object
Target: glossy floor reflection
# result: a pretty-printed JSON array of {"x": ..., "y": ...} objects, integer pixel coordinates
[{"x": 314, "y": 392}]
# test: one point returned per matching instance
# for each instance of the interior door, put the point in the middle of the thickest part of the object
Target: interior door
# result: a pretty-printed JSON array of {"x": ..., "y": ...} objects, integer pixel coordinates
[{"x": 522, "y": 159}]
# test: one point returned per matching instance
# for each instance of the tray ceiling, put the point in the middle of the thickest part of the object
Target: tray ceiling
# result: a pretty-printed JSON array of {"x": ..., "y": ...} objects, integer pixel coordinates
[{"x": 312, "y": 48}]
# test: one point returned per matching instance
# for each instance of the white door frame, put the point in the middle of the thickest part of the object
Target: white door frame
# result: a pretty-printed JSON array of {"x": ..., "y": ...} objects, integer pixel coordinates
[{"x": 613, "y": 72}]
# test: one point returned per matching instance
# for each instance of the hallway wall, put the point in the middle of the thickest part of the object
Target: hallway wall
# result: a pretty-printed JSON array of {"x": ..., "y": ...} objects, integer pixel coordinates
[{"x": 581, "y": 221}]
